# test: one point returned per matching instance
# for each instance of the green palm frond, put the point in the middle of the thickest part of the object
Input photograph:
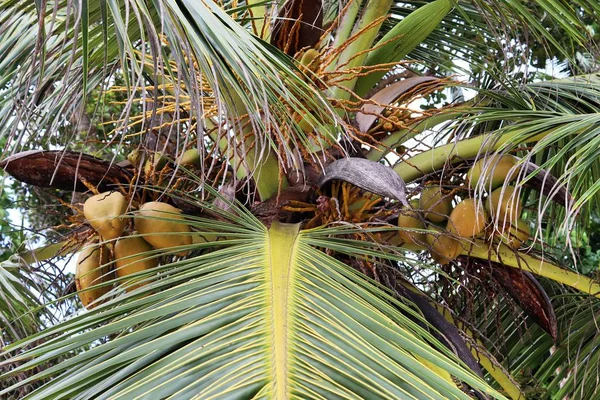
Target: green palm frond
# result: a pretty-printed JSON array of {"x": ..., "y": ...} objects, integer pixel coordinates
[
  {"x": 264, "y": 315},
  {"x": 85, "y": 47}
]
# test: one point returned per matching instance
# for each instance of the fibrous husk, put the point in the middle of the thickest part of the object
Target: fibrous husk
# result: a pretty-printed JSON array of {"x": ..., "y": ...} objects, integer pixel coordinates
[
  {"x": 515, "y": 234},
  {"x": 443, "y": 248},
  {"x": 504, "y": 204},
  {"x": 161, "y": 225},
  {"x": 434, "y": 201},
  {"x": 91, "y": 270},
  {"x": 410, "y": 219},
  {"x": 492, "y": 172},
  {"x": 104, "y": 212},
  {"x": 130, "y": 258},
  {"x": 467, "y": 219}
]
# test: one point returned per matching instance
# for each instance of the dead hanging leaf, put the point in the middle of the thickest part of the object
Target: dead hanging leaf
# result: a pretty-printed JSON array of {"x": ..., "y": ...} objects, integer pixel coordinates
[
  {"x": 299, "y": 25},
  {"x": 529, "y": 295},
  {"x": 65, "y": 170},
  {"x": 448, "y": 333},
  {"x": 368, "y": 175},
  {"x": 370, "y": 112}
]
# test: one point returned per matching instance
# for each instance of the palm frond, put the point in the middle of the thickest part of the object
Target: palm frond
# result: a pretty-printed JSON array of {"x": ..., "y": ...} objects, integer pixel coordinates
[{"x": 265, "y": 314}]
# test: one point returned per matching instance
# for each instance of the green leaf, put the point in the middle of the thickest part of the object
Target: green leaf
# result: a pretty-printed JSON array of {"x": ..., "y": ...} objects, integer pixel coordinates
[
  {"x": 266, "y": 315},
  {"x": 402, "y": 39}
]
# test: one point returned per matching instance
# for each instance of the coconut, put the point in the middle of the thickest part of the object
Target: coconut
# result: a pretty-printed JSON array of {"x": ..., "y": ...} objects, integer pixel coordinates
[
  {"x": 495, "y": 170},
  {"x": 104, "y": 212},
  {"x": 154, "y": 163},
  {"x": 504, "y": 204},
  {"x": 190, "y": 157},
  {"x": 515, "y": 234},
  {"x": 310, "y": 60},
  {"x": 434, "y": 201},
  {"x": 129, "y": 258},
  {"x": 134, "y": 157},
  {"x": 467, "y": 219},
  {"x": 159, "y": 225},
  {"x": 92, "y": 270},
  {"x": 443, "y": 248},
  {"x": 411, "y": 219}
]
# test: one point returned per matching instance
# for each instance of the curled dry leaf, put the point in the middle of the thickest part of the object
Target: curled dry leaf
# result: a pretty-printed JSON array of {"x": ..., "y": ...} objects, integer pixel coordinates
[
  {"x": 369, "y": 175},
  {"x": 448, "y": 333},
  {"x": 65, "y": 170},
  {"x": 529, "y": 294}
]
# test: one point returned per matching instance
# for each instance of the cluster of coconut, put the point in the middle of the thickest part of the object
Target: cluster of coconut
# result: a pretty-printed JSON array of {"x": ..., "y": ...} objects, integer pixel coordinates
[
  {"x": 157, "y": 226},
  {"x": 470, "y": 217}
]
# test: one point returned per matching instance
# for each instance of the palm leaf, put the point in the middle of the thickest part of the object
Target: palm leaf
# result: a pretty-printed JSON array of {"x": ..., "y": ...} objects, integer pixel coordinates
[{"x": 266, "y": 315}]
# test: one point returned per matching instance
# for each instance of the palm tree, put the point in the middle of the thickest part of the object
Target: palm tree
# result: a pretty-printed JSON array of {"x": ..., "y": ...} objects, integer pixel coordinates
[{"x": 311, "y": 159}]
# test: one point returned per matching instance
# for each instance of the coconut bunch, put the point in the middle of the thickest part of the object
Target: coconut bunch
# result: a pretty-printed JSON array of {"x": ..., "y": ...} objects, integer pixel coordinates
[
  {"x": 496, "y": 218},
  {"x": 112, "y": 252}
]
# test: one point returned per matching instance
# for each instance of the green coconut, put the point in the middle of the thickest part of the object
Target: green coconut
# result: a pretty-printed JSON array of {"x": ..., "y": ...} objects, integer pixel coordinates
[
  {"x": 493, "y": 170},
  {"x": 190, "y": 157},
  {"x": 92, "y": 270},
  {"x": 503, "y": 204},
  {"x": 516, "y": 234},
  {"x": 410, "y": 219},
  {"x": 130, "y": 258},
  {"x": 105, "y": 212},
  {"x": 467, "y": 219},
  {"x": 163, "y": 226},
  {"x": 436, "y": 205},
  {"x": 443, "y": 248},
  {"x": 154, "y": 163}
]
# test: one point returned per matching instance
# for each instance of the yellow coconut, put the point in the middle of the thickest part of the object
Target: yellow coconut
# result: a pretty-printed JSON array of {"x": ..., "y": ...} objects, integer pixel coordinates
[
  {"x": 467, "y": 219},
  {"x": 492, "y": 170},
  {"x": 92, "y": 270},
  {"x": 162, "y": 226},
  {"x": 434, "y": 201},
  {"x": 129, "y": 258},
  {"x": 104, "y": 212},
  {"x": 443, "y": 248},
  {"x": 411, "y": 219},
  {"x": 504, "y": 204},
  {"x": 515, "y": 235}
]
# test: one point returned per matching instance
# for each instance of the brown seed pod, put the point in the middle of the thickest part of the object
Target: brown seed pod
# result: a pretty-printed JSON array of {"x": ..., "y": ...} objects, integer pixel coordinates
[
  {"x": 515, "y": 235},
  {"x": 443, "y": 248},
  {"x": 504, "y": 205},
  {"x": 434, "y": 201},
  {"x": 104, "y": 212},
  {"x": 92, "y": 270},
  {"x": 467, "y": 219},
  {"x": 411, "y": 220},
  {"x": 159, "y": 224},
  {"x": 388, "y": 126},
  {"x": 493, "y": 170},
  {"x": 129, "y": 258}
]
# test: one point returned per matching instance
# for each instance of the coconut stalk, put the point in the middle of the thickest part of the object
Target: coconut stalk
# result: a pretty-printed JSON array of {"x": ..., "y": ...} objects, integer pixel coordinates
[
  {"x": 507, "y": 256},
  {"x": 435, "y": 159}
]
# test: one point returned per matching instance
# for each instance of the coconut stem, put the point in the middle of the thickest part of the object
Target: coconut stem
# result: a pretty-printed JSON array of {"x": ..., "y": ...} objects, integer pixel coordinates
[{"x": 540, "y": 267}]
